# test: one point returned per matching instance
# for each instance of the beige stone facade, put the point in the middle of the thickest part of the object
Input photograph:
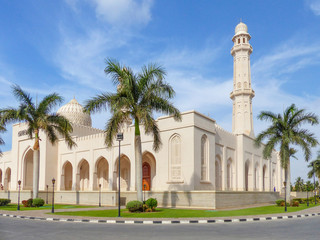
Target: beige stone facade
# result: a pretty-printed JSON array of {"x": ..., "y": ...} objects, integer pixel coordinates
[{"x": 199, "y": 165}]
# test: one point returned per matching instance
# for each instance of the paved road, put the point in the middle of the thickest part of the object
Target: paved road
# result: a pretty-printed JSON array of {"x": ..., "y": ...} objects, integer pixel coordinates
[{"x": 18, "y": 229}]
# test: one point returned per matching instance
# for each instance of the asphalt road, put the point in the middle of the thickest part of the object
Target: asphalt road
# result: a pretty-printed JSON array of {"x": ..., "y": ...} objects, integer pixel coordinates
[{"x": 16, "y": 229}]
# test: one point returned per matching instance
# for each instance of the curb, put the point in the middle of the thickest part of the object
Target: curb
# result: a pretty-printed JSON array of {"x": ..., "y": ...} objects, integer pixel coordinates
[{"x": 202, "y": 221}]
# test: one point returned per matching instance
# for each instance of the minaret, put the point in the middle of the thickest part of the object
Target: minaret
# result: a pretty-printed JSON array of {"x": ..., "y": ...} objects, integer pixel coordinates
[{"x": 242, "y": 93}]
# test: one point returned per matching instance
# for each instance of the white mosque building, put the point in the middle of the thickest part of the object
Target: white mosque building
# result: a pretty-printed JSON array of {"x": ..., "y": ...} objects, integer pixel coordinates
[{"x": 199, "y": 165}]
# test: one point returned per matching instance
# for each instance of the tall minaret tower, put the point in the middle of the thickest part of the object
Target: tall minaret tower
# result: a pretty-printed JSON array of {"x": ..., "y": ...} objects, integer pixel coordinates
[{"x": 242, "y": 93}]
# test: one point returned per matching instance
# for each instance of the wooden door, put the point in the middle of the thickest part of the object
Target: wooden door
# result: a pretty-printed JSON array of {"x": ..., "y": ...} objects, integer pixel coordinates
[{"x": 146, "y": 177}]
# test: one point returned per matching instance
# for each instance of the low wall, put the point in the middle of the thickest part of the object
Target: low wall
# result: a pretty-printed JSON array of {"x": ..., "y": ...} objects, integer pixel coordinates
[
  {"x": 191, "y": 199},
  {"x": 235, "y": 199},
  {"x": 301, "y": 194}
]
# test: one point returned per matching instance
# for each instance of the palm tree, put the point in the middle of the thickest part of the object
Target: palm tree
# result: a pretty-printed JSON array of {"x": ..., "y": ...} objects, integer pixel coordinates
[
  {"x": 138, "y": 96},
  {"x": 285, "y": 130},
  {"x": 38, "y": 117},
  {"x": 299, "y": 184},
  {"x": 315, "y": 167}
]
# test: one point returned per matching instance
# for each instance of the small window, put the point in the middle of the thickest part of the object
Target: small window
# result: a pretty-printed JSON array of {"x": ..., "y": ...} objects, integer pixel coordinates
[
  {"x": 238, "y": 40},
  {"x": 244, "y": 40}
]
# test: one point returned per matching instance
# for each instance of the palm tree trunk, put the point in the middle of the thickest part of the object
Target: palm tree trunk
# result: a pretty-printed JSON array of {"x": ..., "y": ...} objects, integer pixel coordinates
[
  {"x": 36, "y": 153},
  {"x": 138, "y": 159},
  {"x": 288, "y": 180}
]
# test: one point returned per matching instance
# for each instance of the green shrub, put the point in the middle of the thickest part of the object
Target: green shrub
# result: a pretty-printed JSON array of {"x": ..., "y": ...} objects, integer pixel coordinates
[
  {"x": 135, "y": 206},
  {"x": 294, "y": 203},
  {"x": 300, "y": 200},
  {"x": 280, "y": 202},
  {"x": 4, "y": 201},
  {"x": 30, "y": 200},
  {"x": 25, "y": 203},
  {"x": 152, "y": 203},
  {"x": 38, "y": 202}
]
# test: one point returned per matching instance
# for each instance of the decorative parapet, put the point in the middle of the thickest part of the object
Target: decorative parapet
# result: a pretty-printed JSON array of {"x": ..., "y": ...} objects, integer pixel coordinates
[
  {"x": 87, "y": 127},
  {"x": 219, "y": 128},
  {"x": 89, "y": 137}
]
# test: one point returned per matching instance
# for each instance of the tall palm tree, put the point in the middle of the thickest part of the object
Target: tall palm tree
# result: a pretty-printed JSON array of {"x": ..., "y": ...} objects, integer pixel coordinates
[
  {"x": 299, "y": 184},
  {"x": 315, "y": 167},
  {"x": 285, "y": 130},
  {"x": 137, "y": 97},
  {"x": 38, "y": 117}
]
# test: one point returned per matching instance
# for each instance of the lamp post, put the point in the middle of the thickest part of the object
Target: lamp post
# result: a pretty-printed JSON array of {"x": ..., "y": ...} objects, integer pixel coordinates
[
  {"x": 285, "y": 195},
  {"x": 307, "y": 196},
  {"x": 314, "y": 186},
  {"x": 47, "y": 194},
  {"x": 119, "y": 138},
  {"x": 19, "y": 183},
  {"x": 53, "y": 181},
  {"x": 100, "y": 195}
]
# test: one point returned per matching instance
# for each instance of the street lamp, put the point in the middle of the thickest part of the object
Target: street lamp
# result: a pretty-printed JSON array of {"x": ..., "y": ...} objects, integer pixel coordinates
[
  {"x": 47, "y": 194},
  {"x": 100, "y": 195},
  {"x": 285, "y": 195},
  {"x": 53, "y": 181},
  {"x": 119, "y": 138},
  {"x": 314, "y": 186},
  {"x": 19, "y": 183}
]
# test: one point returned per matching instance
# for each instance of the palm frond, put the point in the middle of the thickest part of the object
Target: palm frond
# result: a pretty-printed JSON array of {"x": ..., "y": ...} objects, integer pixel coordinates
[
  {"x": 113, "y": 126},
  {"x": 48, "y": 102},
  {"x": 22, "y": 96}
]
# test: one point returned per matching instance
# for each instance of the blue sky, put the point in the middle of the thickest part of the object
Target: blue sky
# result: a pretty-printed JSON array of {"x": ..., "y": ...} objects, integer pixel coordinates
[{"x": 62, "y": 45}]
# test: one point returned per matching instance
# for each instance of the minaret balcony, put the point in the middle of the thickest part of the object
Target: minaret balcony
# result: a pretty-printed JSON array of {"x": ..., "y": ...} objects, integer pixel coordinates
[
  {"x": 241, "y": 47},
  {"x": 238, "y": 92}
]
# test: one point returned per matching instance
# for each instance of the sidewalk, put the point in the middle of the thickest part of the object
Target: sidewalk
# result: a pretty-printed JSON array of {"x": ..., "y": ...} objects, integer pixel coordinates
[{"x": 46, "y": 215}]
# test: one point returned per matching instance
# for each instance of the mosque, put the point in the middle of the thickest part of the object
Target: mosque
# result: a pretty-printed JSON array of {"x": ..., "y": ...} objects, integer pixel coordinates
[{"x": 199, "y": 165}]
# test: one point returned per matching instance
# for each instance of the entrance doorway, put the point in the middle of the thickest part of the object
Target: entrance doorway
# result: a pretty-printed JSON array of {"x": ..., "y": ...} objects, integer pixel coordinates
[{"x": 146, "y": 176}]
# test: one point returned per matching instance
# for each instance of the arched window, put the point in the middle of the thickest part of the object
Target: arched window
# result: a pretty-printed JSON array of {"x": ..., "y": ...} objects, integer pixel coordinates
[
  {"x": 244, "y": 40},
  {"x": 218, "y": 176},
  {"x": 204, "y": 158},
  {"x": 175, "y": 159},
  {"x": 229, "y": 174},
  {"x": 264, "y": 177},
  {"x": 256, "y": 177},
  {"x": 238, "y": 40}
]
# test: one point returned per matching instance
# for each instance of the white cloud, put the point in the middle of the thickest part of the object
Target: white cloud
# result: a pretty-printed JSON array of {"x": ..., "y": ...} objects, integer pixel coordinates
[
  {"x": 81, "y": 59},
  {"x": 314, "y": 5},
  {"x": 286, "y": 60},
  {"x": 124, "y": 12}
]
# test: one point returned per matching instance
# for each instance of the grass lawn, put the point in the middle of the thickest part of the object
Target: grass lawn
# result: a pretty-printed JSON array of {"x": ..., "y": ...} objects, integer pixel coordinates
[
  {"x": 13, "y": 207},
  {"x": 185, "y": 213}
]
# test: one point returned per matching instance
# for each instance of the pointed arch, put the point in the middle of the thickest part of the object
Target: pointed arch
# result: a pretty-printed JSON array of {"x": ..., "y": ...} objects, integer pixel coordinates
[
  {"x": 101, "y": 173},
  {"x": 229, "y": 174},
  {"x": 148, "y": 170},
  {"x": 83, "y": 181},
  {"x": 256, "y": 177},
  {"x": 66, "y": 176},
  {"x": 247, "y": 172},
  {"x": 7, "y": 179},
  {"x": 204, "y": 157},
  {"x": 175, "y": 172},
  {"x": 125, "y": 170},
  {"x": 28, "y": 169},
  {"x": 264, "y": 177},
  {"x": 218, "y": 175}
]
